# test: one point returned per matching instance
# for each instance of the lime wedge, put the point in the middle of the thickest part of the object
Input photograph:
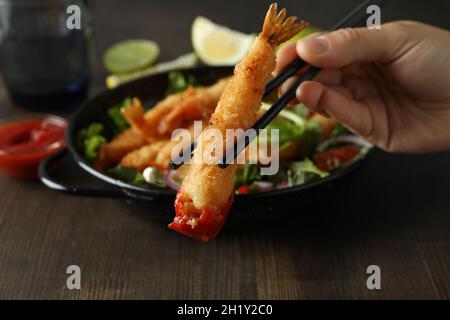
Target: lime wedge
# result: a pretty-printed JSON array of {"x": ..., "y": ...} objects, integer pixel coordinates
[
  {"x": 303, "y": 34},
  {"x": 130, "y": 55},
  {"x": 219, "y": 45}
]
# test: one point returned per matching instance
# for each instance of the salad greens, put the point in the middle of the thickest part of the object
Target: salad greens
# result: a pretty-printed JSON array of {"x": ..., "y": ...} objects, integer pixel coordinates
[
  {"x": 178, "y": 82},
  {"x": 291, "y": 127},
  {"x": 115, "y": 115},
  {"x": 247, "y": 175},
  {"x": 340, "y": 130},
  {"x": 309, "y": 140},
  {"x": 294, "y": 128},
  {"x": 129, "y": 175},
  {"x": 299, "y": 138},
  {"x": 304, "y": 171},
  {"x": 293, "y": 174},
  {"x": 301, "y": 110},
  {"x": 288, "y": 131},
  {"x": 90, "y": 140}
]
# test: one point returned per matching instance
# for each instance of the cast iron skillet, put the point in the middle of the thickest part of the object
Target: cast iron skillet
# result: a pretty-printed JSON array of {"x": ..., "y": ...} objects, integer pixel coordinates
[{"x": 149, "y": 90}]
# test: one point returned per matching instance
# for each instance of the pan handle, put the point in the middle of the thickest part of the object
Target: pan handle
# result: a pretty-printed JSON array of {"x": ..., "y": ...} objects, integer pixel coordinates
[{"x": 51, "y": 183}]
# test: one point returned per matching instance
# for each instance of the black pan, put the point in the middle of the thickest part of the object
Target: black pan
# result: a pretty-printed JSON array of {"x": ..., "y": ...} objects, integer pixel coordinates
[{"x": 149, "y": 90}]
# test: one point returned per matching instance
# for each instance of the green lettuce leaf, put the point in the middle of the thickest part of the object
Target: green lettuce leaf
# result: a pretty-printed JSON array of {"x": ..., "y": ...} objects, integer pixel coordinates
[
  {"x": 178, "y": 82},
  {"x": 129, "y": 175},
  {"x": 247, "y": 175},
  {"x": 90, "y": 140},
  {"x": 115, "y": 115},
  {"x": 302, "y": 172}
]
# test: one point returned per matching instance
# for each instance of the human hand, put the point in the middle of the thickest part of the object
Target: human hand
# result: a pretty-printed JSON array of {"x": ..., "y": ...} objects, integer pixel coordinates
[{"x": 391, "y": 86}]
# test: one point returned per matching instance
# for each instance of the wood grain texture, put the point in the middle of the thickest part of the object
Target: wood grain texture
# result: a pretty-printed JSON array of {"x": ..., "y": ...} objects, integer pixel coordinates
[{"x": 394, "y": 213}]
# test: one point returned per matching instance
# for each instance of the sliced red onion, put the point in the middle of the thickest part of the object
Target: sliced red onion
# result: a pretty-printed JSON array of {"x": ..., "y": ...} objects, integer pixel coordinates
[
  {"x": 352, "y": 139},
  {"x": 172, "y": 180},
  {"x": 263, "y": 186},
  {"x": 284, "y": 185}
]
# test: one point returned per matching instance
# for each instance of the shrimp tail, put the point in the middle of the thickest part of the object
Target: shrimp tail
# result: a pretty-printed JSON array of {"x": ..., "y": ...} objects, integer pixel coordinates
[{"x": 278, "y": 29}]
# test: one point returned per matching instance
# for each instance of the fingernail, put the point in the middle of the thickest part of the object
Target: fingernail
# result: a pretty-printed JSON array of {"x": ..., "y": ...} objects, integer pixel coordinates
[
  {"x": 316, "y": 45},
  {"x": 298, "y": 93}
]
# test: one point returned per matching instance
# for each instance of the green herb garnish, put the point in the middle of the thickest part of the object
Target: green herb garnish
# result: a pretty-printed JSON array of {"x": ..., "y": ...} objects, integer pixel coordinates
[
  {"x": 247, "y": 175},
  {"x": 302, "y": 172},
  {"x": 178, "y": 82},
  {"x": 340, "y": 130},
  {"x": 116, "y": 117},
  {"x": 309, "y": 140},
  {"x": 128, "y": 175},
  {"x": 288, "y": 131},
  {"x": 90, "y": 140}
]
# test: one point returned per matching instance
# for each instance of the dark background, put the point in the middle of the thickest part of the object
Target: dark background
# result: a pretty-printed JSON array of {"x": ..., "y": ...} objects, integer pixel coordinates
[
  {"x": 169, "y": 22},
  {"x": 394, "y": 213}
]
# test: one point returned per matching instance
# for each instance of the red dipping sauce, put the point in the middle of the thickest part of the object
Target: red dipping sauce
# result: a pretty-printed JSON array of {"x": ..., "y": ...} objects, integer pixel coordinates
[{"x": 27, "y": 140}]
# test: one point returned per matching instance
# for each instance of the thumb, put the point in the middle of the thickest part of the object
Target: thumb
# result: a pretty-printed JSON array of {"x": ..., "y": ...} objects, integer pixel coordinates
[{"x": 343, "y": 47}]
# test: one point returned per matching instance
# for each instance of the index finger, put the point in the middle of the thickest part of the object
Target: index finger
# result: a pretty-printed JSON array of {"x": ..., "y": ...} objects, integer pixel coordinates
[
  {"x": 285, "y": 56},
  {"x": 289, "y": 53}
]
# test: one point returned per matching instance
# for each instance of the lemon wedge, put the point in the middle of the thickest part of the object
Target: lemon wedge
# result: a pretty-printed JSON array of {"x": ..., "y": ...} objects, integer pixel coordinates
[{"x": 218, "y": 45}]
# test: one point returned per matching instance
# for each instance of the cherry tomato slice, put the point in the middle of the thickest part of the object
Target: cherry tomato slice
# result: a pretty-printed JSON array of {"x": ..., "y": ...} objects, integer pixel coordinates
[
  {"x": 333, "y": 159},
  {"x": 245, "y": 189}
]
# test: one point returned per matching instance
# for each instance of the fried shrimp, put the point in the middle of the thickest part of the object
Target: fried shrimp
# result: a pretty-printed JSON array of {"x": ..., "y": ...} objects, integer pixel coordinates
[
  {"x": 176, "y": 111},
  {"x": 205, "y": 197},
  {"x": 196, "y": 104},
  {"x": 157, "y": 154},
  {"x": 149, "y": 155},
  {"x": 111, "y": 153}
]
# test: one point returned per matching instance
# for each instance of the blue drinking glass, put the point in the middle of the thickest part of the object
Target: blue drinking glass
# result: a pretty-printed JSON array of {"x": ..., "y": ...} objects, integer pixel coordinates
[{"x": 45, "y": 52}]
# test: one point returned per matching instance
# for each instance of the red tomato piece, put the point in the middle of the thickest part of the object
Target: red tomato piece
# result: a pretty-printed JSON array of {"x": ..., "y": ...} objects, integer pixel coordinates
[{"x": 333, "y": 159}]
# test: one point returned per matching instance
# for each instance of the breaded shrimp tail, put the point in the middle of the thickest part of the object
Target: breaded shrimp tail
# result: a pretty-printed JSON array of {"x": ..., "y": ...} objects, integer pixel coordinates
[
  {"x": 205, "y": 197},
  {"x": 277, "y": 29}
]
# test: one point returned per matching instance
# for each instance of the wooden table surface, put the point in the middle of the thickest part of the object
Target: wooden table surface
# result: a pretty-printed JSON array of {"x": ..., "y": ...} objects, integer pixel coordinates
[{"x": 394, "y": 213}]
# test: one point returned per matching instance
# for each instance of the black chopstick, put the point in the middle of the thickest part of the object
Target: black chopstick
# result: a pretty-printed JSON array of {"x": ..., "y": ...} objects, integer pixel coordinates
[
  {"x": 263, "y": 122},
  {"x": 356, "y": 18},
  {"x": 268, "y": 117}
]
